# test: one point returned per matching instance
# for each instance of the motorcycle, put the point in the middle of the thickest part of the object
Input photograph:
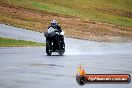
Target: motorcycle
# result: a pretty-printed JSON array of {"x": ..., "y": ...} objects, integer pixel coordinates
[{"x": 54, "y": 42}]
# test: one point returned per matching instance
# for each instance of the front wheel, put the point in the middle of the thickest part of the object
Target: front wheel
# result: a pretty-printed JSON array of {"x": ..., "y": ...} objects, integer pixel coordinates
[
  {"x": 62, "y": 50},
  {"x": 48, "y": 48}
]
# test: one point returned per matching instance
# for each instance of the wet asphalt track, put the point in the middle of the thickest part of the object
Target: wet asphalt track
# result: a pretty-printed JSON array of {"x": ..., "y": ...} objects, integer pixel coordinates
[{"x": 30, "y": 67}]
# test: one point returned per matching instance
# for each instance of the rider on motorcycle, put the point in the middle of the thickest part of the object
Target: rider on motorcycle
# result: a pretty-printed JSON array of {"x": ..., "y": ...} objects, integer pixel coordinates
[{"x": 54, "y": 27}]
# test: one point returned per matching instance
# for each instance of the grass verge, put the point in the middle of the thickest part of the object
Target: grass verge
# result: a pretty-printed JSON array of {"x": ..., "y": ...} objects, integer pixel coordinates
[{"x": 7, "y": 42}]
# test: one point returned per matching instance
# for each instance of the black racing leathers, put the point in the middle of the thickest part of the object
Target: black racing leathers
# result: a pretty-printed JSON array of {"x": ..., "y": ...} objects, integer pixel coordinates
[
  {"x": 56, "y": 27},
  {"x": 57, "y": 38}
]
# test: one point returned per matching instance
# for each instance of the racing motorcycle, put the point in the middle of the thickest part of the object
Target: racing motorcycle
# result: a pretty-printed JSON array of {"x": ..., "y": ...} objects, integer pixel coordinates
[{"x": 54, "y": 41}]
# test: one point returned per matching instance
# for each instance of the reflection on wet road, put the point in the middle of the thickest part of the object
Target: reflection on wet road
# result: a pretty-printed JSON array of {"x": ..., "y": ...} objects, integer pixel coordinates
[{"x": 30, "y": 67}]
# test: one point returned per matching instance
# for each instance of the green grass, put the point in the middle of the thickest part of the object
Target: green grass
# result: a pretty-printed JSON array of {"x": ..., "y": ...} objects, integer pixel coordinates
[
  {"x": 117, "y": 12},
  {"x": 6, "y": 42},
  {"x": 98, "y": 10},
  {"x": 53, "y": 8}
]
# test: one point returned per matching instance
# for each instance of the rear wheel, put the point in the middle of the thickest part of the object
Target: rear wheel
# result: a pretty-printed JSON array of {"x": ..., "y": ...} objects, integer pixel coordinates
[{"x": 48, "y": 48}]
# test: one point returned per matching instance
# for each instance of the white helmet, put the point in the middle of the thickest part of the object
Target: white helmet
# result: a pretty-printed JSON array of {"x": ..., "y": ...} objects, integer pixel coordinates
[{"x": 53, "y": 22}]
